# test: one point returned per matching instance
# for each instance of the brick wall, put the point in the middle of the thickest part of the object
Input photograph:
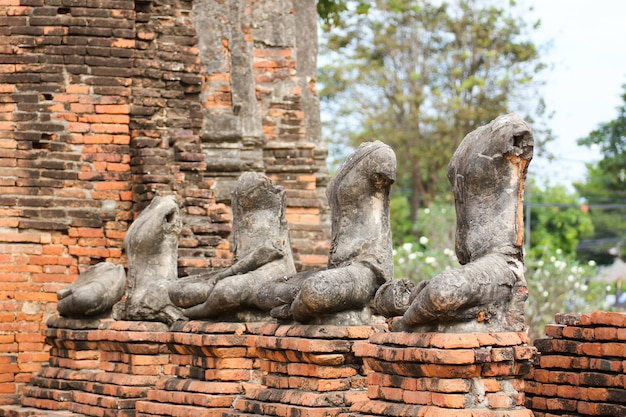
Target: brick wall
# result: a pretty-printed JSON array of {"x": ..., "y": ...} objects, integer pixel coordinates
[{"x": 105, "y": 104}]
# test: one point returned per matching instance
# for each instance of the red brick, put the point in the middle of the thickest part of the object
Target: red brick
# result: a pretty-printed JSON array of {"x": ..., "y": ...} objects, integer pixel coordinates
[
  {"x": 556, "y": 361},
  {"x": 605, "y": 318},
  {"x": 498, "y": 401},
  {"x": 614, "y": 350},
  {"x": 606, "y": 333},
  {"x": 561, "y": 404},
  {"x": 391, "y": 394},
  {"x": 448, "y": 400},
  {"x": 417, "y": 397},
  {"x": 113, "y": 109},
  {"x": 447, "y": 385}
]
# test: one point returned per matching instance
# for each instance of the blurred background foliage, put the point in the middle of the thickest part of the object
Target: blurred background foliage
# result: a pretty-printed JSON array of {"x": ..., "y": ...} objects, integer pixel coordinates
[{"x": 421, "y": 74}]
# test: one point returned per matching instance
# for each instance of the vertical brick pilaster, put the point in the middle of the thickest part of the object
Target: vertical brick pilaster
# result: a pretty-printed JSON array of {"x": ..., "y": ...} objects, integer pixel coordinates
[
  {"x": 166, "y": 121},
  {"x": 210, "y": 365}
]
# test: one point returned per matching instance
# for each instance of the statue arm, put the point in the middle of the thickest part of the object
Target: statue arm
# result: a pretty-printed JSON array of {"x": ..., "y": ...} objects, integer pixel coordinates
[{"x": 261, "y": 255}]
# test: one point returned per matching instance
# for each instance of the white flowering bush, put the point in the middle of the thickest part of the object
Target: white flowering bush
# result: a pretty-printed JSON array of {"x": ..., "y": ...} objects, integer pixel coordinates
[
  {"x": 421, "y": 261},
  {"x": 422, "y": 258}
]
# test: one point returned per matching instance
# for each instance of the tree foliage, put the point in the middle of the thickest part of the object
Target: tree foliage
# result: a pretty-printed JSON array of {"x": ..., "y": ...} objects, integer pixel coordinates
[
  {"x": 331, "y": 11},
  {"x": 558, "y": 221},
  {"x": 420, "y": 74},
  {"x": 557, "y": 281},
  {"x": 605, "y": 189}
]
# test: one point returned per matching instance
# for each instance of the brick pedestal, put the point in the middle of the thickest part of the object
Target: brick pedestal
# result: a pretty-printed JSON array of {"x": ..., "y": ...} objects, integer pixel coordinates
[
  {"x": 210, "y": 364},
  {"x": 307, "y": 371},
  {"x": 141, "y": 369},
  {"x": 74, "y": 362},
  {"x": 99, "y": 368},
  {"x": 445, "y": 375},
  {"x": 582, "y": 365}
]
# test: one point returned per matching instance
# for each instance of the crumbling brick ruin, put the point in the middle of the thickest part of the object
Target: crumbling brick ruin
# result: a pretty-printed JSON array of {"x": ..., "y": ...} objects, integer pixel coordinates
[{"x": 105, "y": 104}]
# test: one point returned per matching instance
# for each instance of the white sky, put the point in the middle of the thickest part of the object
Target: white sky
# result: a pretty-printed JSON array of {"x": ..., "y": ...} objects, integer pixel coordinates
[{"x": 589, "y": 57}]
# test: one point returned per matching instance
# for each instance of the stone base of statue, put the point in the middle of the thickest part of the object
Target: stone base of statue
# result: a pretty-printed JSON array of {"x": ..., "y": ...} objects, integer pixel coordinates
[
  {"x": 445, "y": 375},
  {"x": 111, "y": 368},
  {"x": 307, "y": 370},
  {"x": 98, "y": 367},
  {"x": 210, "y": 364}
]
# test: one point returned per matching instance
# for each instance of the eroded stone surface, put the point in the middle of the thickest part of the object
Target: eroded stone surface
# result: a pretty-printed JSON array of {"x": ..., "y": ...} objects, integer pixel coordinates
[
  {"x": 360, "y": 258},
  {"x": 94, "y": 292},
  {"x": 261, "y": 252},
  {"x": 488, "y": 291},
  {"x": 152, "y": 248}
]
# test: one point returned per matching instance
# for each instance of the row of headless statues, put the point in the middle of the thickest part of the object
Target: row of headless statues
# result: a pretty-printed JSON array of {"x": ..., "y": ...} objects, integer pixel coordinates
[{"x": 486, "y": 292}]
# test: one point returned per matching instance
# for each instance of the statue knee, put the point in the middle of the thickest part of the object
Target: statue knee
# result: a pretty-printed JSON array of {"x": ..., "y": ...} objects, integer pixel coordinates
[{"x": 337, "y": 289}]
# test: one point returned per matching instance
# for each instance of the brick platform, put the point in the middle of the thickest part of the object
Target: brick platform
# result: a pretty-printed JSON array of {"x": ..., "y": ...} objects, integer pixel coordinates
[
  {"x": 581, "y": 370},
  {"x": 123, "y": 369}
]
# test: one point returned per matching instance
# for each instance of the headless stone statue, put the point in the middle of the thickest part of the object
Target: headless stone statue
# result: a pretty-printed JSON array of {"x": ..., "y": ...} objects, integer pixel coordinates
[
  {"x": 261, "y": 251},
  {"x": 152, "y": 248},
  {"x": 94, "y": 292},
  {"x": 487, "y": 293},
  {"x": 360, "y": 258}
]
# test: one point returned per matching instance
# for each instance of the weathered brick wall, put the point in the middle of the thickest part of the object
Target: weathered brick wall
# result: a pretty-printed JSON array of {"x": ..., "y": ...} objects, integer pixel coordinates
[
  {"x": 105, "y": 104},
  {"x": 65, "y": 196}
]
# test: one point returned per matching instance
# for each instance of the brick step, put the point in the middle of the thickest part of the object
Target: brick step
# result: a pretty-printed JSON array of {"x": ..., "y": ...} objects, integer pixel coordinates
[
  {"x": 92, "y": 410},
  {"x": 375, "y": 408},
  {"x": 285, "y": 410},
  {"x": 47, "y": 393},
  {"x": 155, "y": 409},
  {"x": 306, "y": 398},
  {"x": 45, "y": 404},
  {"x": 196, "y": 386},
  {"x": 189, "y": 398},
  {"x": 384, "y": 408},
  {"x": 98, "y": 376},
  {"x": 121, "y": 391},
  {"x": 21, "y": 411},
  {"x": 103, "y": 401}
]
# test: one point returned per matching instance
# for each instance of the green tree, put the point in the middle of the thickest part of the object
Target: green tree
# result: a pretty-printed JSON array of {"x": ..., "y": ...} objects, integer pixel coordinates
[
  {"x": 420, "y": 74},
  {"x": 557, "y": 281},
  {"x": 557, "y": 219},
  {"x": 605, "y": 189},
  {"x": 330, "y": 11}
]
